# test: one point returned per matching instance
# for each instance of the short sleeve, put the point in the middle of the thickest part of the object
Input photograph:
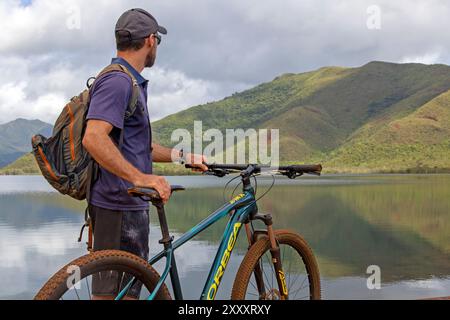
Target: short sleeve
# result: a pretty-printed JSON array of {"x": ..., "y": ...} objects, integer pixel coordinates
[{"x": 109, "y": 99}]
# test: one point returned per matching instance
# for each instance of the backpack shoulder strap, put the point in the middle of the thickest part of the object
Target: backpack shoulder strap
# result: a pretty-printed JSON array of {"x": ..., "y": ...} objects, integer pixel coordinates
[{"x": 132, "y": 105}]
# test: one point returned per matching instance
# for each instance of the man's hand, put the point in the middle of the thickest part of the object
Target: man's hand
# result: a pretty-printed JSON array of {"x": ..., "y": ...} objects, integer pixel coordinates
[
  {"x": 163, "y": 154},
  {"x": 158, "y": 183},
  {"x": 197, "y": 162}
]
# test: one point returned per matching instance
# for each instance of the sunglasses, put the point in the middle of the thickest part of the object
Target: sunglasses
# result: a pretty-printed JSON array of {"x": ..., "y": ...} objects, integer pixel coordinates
[{"x": 158, "y": 38}]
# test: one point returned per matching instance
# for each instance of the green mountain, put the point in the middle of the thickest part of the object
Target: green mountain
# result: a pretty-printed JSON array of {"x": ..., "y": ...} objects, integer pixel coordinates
[
  {"x": 15, "y": 138},
  {"x": 379, "y": 117}
]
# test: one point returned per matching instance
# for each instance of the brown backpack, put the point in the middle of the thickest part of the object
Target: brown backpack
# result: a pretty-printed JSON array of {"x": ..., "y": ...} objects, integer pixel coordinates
[{"x": 62, "y": 159}]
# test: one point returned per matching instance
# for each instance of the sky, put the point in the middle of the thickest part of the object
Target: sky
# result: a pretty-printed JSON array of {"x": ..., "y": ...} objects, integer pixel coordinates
[{"x": 49, "y": 48}]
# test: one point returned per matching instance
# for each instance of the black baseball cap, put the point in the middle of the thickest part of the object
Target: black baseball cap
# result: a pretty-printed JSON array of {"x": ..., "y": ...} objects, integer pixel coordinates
[{"x": 137, "y": 24}]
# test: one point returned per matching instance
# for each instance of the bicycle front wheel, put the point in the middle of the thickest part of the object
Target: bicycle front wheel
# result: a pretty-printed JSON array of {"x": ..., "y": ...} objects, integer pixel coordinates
[
  {"x": 299, "y": 266},
  {"x": 114, "y": 267}
]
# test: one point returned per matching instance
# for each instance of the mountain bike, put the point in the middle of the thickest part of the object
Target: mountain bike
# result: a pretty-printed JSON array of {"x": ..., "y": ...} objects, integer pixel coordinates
[{"x": 278, "y": 265}]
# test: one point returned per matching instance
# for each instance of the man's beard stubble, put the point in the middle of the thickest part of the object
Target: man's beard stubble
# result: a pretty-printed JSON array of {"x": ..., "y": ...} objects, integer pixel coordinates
[{"x": 150, "y": 60}]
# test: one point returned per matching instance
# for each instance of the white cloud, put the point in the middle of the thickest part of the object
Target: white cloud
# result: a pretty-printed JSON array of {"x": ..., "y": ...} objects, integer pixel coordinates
[
  {"x": 32, "y": 93},
  {"x": 428, "y": 58},
  {"x": 14, "y": 103},
  {"x": 172, "y": 91},
  {"x": 213, "y": 48}
]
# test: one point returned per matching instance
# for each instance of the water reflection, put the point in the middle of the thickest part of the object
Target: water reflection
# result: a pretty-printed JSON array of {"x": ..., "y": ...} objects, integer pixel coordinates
[{"x": 400, "y": 223}]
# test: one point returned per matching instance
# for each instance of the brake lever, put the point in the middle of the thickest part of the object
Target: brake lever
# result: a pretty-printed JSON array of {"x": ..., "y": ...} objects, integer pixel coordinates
[
  {"x": 291, "y": 174},
  {"x": 217, "y": 172}
]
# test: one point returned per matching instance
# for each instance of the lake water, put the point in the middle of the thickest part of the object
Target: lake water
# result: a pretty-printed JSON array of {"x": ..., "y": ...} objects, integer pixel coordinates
[{"x": 400, "y": 223}]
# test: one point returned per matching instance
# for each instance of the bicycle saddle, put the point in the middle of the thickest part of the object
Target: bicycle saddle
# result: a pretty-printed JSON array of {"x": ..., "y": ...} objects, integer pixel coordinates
[{"x": 151, "y": 193}]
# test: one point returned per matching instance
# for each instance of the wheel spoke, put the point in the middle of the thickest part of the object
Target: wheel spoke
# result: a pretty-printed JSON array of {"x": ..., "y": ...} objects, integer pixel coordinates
[
  {"x": 76, "y": 291},
  {"x": 265, "y": 275},
  {"x": 296, "y": 291},
  {"x": 298, "y": 277},
  {"x": 289, "y": 273},
  {"x": 253, "y": 285},
  {"x": 271, "y": 264},
  {"x": 87, "y": 285},
  {"x": 301, "y": 286}
]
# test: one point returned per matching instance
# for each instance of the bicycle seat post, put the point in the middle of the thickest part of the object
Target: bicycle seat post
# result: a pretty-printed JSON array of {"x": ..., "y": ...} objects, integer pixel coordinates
[
  {"x": 166, "y": 238},
  {"x": 166, "y": 241}
]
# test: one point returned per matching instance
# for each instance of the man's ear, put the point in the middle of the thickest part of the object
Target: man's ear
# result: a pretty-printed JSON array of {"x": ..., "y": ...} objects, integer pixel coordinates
[{"x": 150, "y": 40}]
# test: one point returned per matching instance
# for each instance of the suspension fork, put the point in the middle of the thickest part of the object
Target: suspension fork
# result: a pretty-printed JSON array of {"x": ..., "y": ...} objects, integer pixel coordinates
[
  {"x": 276, "y": 258},
  {"x": 252, "y": 237},
  {"x": 277, "y": 264},
  {"x": 274, "y": 249}
]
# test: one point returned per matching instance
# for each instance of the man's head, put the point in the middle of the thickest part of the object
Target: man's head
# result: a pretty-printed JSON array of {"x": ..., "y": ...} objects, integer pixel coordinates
[{"x": 138, "y": 31}]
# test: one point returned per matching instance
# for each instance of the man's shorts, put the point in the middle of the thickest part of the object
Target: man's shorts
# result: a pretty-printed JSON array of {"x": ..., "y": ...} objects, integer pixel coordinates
[{"x": 120, "y": 230}]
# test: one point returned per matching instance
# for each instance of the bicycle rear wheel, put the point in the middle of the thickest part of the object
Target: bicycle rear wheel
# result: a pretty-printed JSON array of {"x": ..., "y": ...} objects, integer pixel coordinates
[
  {"x": 74, "y": 281},
  {"x": 299, "y": 266}
]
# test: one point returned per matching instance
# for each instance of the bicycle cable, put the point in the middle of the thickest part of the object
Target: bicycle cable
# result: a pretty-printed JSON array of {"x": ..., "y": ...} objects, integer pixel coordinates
[
  {"x": 226, "y": 185},
  {"x": 256, "y": 189},
  {"x": 255, "y": 186},
  {"x": 268, "y": 190}
]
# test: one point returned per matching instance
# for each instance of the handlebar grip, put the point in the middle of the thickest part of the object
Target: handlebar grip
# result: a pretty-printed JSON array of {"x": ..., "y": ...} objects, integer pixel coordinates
[{"x": 308, "y": 168}]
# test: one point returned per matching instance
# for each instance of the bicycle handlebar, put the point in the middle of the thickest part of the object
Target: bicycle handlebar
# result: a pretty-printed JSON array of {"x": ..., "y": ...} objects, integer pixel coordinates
[
  {"x": 292, "y": 171},
  {"x": 221, "y": 170}
]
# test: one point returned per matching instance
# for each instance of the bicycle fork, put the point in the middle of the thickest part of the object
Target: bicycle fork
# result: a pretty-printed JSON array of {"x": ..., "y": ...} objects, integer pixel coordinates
[{"x": 276, "y": 258}]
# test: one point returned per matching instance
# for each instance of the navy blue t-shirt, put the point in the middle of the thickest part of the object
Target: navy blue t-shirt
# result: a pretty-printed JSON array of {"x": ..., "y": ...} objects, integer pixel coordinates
[{"x": 110, "y": 97}]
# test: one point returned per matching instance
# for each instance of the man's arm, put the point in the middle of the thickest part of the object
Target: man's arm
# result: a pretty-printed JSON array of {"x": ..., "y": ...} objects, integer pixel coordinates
[
  {"x": 164, "y": 154},
  {"x": 100, "y": 146}
]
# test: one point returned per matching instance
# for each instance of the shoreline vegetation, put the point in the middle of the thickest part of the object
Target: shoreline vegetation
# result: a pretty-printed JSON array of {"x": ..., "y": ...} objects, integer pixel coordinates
[{"x": 27, "y": 166}]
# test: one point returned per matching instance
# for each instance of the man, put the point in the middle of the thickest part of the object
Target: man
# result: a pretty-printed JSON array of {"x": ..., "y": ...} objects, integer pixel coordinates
[{"x": 122, "y": 147}]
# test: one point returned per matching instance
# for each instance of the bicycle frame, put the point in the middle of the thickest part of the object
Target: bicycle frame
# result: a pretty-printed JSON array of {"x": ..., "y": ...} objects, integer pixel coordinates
[{"x": 239, "y": 208}]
